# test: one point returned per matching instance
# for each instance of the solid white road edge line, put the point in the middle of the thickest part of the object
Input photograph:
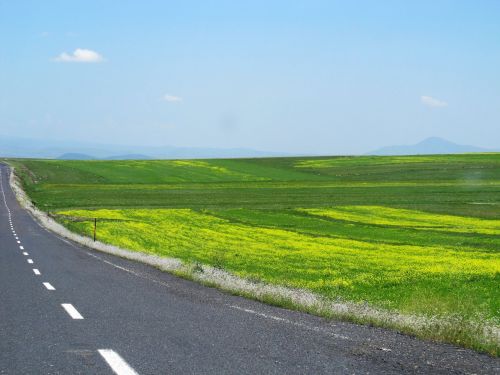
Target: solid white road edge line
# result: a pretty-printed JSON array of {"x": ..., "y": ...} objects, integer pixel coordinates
[
  {"x": 117, "y": 363},
  {"x": 36, "y": 271},
  {"x": 70, "y": 309},
  {"x": 287, "y": 321},
  {"x": 49, "y": 286}
]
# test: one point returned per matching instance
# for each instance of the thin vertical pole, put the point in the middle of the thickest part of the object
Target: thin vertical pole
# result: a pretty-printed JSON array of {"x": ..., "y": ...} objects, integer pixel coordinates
[{"x": 95, "y": 227}]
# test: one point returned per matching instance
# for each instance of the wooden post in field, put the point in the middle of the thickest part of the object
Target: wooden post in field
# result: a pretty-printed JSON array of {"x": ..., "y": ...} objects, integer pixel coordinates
[{"x": 95, "y": 227}]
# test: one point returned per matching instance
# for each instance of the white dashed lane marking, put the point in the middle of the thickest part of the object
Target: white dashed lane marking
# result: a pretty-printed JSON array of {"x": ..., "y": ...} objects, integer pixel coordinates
[
  {"x": 49, "y": 286},
  {"x": 117, "y": 363},
  {"x": 70, "y": 309},
  {"x": 113, "y": 359}
]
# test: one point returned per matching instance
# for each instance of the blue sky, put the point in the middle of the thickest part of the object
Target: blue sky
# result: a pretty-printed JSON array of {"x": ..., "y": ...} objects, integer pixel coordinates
[{"x": 330, "y": 77}]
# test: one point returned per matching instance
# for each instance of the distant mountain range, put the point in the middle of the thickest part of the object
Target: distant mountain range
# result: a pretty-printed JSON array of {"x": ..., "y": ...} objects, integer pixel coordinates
[
  {"x": 433, "y": 145},
  {"x": 77, "y": 156},
  {"x": 47, "y": 149}
]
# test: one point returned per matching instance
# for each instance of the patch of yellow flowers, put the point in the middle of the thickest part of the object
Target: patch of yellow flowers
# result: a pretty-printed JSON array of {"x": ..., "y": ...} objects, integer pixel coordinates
[
  {"x": 294, "y": 259},
  {"x": 409, "y": 218}
]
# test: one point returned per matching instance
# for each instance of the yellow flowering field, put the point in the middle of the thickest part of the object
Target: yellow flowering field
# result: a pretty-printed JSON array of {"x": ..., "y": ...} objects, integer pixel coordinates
[{"x": 430, "y": 279}]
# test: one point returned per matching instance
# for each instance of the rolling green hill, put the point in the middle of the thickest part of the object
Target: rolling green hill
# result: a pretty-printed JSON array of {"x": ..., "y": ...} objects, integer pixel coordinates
[
  {"x": 411, "y": 234},
  {"x": 454, "y": 184}
]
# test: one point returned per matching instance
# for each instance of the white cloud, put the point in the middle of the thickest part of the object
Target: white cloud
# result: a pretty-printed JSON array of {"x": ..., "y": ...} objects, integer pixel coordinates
[
  {"x": 172, "y": 98},
  {"x": 80, "y": 55},
  {"x": 429, "y": 101}
]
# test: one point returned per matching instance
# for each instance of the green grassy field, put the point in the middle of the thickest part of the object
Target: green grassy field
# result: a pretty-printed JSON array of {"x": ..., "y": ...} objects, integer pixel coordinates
[{"x": 417, "y": 235}]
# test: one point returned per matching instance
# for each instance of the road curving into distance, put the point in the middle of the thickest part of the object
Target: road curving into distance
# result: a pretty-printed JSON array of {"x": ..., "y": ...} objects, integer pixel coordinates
[{"x": 66, "y": 309}]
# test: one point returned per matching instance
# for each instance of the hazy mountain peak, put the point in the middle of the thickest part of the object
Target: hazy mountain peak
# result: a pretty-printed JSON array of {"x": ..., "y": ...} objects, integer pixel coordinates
[
  {"x": 435, "y": 141},
  {"x": 431, "y": 145}
]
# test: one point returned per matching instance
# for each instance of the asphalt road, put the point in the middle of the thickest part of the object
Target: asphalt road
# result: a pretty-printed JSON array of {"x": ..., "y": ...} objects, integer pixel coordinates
[{"x": 65, "y": 309}]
